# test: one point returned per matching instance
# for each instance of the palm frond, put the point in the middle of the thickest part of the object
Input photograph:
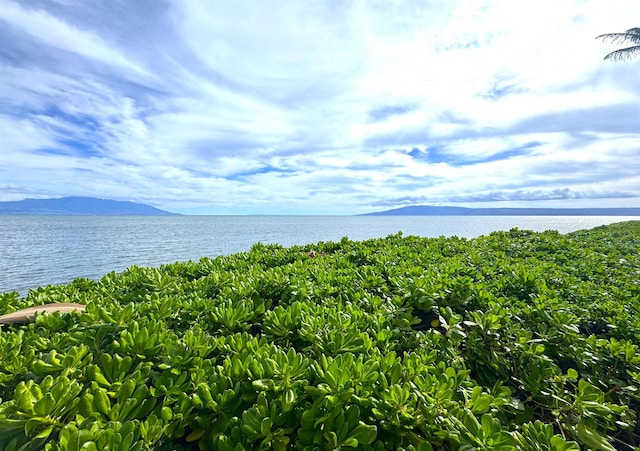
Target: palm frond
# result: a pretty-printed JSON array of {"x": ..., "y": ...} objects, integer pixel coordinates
[
  {"x": 631, "y": 36},
  {"x": 623, "y": 54}
]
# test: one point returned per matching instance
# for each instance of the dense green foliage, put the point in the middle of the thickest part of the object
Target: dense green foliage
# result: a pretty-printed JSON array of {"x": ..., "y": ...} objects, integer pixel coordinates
[{"x": 516, "y": 340}]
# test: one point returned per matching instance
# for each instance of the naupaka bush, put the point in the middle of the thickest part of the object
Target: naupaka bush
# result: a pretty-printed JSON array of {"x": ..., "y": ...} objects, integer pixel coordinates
[{"x": 515, "y": 340}]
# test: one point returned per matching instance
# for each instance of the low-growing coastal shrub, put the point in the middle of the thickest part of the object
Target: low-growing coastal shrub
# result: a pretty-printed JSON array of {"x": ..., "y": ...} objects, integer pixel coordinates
[{"x": 515, "y": 340}]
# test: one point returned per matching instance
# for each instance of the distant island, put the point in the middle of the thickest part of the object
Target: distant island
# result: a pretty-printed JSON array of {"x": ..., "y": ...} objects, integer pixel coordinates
[
  {"x": 426, "y": 210},
  {"x": 89, "y": 206}
]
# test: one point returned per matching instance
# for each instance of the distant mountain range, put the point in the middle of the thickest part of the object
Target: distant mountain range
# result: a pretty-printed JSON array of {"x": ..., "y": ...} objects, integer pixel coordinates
[
  {"x": 425, "y": 210},
  {"x": 89, "y": 206}
]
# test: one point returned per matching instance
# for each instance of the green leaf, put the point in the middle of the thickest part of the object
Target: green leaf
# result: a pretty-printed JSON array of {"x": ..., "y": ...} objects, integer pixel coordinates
[
  {"x": 195, "y": 435},
  {"x": 482, "y": 403},
  {"x": 101, "y": 402},
  {"x": 308, "y": 418},
  {"x": 352, "y": 415},
  {"x": 265, "y": 426},
  {"x": 424, "y": 446},
  {"x": 91, "y": 446},
  {"x": 166, "y": 413},
  {"x": 44, "y": 405},
  {"x": 332, "y": 439},
  {"x": 490, "y": 425},
  {"x": 559, "y": 444},
  {"x": 350, "y": 442},
  {"x": 365, "y": 434},
  {"x": 592, "y": 439},
  {"x": 44, "y": 433},
  {"x": 126, "y": 390},
  {"x": 288, "y": 400}
]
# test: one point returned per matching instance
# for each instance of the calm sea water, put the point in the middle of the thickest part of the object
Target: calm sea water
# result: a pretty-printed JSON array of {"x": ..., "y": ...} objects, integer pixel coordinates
[{"x": 43, "y": 250}]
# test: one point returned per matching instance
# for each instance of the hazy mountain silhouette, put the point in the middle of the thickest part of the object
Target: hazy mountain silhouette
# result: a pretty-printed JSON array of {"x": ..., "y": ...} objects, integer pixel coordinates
[
  {"x": 425, "y": 210},
  {"x": 79, "y": 206}
]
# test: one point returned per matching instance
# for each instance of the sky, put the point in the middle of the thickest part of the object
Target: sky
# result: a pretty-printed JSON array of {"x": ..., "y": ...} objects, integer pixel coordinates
[{"x": 319, "y": 107}]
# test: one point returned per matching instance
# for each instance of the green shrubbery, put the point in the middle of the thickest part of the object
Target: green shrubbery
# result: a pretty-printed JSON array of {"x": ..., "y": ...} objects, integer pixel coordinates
[{"x": 516, "y": 340}]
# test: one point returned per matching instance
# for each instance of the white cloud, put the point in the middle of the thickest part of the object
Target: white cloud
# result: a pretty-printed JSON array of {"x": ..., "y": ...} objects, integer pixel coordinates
[
  {"x": 316, "y": 107},
  {"x": 272, "y": 45},
  {"x": 57, "y": 33}
]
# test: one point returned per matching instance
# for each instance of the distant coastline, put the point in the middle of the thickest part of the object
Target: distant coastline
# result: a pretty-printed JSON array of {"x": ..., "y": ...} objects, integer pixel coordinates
[
  {"x": 427, "y": 210},
  {"x": 81, "y": 206}
]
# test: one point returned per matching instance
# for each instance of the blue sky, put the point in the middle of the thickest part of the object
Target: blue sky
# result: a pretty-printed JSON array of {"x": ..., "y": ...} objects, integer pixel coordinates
[{"x": 319, "y": 107}]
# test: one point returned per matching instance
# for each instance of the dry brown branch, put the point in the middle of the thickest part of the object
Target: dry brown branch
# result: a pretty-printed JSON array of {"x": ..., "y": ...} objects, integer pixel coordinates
[{"x": 27, "y": 315}]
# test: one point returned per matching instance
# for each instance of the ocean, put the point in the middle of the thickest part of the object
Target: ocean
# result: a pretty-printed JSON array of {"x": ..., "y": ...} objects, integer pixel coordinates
[{"x": 45, "y": 250}]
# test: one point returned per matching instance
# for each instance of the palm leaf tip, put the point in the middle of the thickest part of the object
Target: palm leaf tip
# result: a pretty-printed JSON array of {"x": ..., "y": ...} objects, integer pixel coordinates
[
  {"x": 623, "y": 54},
  {"x": 618, "y": 38}
]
